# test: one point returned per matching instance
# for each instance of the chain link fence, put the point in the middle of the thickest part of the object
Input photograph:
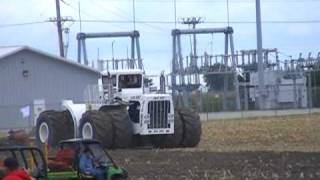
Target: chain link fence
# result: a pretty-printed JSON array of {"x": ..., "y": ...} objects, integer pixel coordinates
[{"x": 277, "y": 101}]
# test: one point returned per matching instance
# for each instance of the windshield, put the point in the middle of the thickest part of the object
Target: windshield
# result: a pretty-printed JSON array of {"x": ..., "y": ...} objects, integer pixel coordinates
[
  {"x": 105, "y": 81},
  {"x": 130, "y": 81}
]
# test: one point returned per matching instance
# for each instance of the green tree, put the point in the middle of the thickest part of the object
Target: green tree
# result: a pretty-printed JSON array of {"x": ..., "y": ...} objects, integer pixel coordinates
[{"x": 315, "y": 85}]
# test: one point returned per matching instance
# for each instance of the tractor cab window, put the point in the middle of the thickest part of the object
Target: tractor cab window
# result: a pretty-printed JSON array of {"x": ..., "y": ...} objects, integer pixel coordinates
[
  {"x": 105, "y": 81},
  {"x": 130, "y": 81}
]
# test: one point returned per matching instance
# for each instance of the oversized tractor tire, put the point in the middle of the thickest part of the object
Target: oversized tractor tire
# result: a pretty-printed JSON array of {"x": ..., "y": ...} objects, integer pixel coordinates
[
  {"x": 171, "y": 140},
  {"x": 191, "y": 127},
  {"x": 53, "y": 126},
  {"x": 95, "y": 125},
  {"x": 122, "y": 127}
]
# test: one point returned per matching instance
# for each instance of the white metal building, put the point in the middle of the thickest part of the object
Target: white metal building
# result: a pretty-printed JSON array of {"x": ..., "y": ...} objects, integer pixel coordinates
[{"x": 32, "y": 80}]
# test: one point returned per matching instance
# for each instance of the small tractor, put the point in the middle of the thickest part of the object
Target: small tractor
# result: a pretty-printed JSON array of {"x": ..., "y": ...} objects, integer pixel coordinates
[
  {"x": 65, "y": 164},
  {"x": 119, "y": 112}
]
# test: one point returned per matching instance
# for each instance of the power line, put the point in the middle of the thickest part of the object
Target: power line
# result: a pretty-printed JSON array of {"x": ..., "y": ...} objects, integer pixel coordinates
[
  {"x": 22, "y": 24},
  {"x": 163, "y": 22},
  {"x": 124, "y": 15},
  {"x": 127, "y": 20},
  {"x": 208, "y": 22}
]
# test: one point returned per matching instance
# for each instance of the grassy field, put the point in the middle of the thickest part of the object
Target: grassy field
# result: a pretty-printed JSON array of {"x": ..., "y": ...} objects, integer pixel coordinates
[
  {"x": 277, "y": 148},
  {"x": 286, "y": 133}
]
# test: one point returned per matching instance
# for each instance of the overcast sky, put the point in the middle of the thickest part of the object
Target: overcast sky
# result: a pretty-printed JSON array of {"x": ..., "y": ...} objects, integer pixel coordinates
[{"x": 290, "y": 38}]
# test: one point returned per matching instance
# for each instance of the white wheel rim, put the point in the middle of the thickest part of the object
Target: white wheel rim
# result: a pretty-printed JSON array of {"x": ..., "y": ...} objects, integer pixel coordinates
[
  {"x": 44, "y": 132},
  {"x": 87, "y": 131}
]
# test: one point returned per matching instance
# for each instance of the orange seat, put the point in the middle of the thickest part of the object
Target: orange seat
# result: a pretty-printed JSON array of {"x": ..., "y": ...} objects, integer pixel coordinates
[
  {"x": 65, "y": 155},
  {"x": 58, "y": 166},
  {"x": 63, "y": 160}
]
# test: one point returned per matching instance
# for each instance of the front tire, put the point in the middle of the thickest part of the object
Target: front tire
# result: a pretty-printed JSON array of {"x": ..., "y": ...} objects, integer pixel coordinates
[
  {"x": 94, "y": 125},
  {"x": 122, "y": 128}
]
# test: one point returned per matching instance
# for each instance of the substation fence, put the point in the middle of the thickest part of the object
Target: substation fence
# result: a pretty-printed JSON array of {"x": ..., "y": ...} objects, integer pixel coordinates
[{"x": 277, "y": 101}]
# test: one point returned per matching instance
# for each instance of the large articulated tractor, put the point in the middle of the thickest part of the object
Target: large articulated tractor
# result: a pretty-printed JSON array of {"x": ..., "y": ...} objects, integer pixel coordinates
[{"x": 120, "y": 113}]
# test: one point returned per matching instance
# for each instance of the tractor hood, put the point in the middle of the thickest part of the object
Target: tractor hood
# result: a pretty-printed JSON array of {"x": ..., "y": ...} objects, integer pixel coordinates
[
  {"x": 147, "y": 97},
  {"x": 156, "y": 97}
]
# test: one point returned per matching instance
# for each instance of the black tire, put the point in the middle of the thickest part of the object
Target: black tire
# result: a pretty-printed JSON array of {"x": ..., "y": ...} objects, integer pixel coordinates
[
  {"x": 122, "y": 128},
  {"x": 60, "y": 127},
  {"x": 191, "y": 128},
  {"x": 101, "y": 126},
  {"x": 171, "y": 140}
]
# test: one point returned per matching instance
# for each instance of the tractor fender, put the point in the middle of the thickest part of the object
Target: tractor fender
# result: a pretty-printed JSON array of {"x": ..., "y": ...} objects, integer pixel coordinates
[{"x": 76, "y": 111}]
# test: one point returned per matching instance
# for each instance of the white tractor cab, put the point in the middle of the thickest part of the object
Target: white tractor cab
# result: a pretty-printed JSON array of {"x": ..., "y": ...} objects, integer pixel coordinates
[
  {"x": 150, "y": 114},
  {"x": 119, "y": 113}
]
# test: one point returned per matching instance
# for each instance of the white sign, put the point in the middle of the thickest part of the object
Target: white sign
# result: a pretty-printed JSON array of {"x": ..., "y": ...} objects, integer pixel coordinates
[{"x": 25, "y": 111}]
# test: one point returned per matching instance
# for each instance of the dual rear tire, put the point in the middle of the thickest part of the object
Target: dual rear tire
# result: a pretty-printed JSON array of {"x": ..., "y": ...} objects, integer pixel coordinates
[
  {"x": 95, "y": 125},
  {"x": 191, "y": 128},
  {"x": 54, "y": 126},
  {"x": 110, "y": 125}
]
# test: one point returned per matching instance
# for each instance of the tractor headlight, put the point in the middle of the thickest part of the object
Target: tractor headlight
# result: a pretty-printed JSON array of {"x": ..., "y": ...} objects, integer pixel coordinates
[
  {"x": 146, "y": 119},
  {"x": 170, "y": 118}
]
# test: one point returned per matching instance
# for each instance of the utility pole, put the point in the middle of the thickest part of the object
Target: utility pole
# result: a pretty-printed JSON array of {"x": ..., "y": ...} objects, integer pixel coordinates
[
  {"x": 59, "y": 28},
  {"x": 193, "y": 21},
  {"x": 260, "y": 57},
  {"x": 193, "y": 57},
  {"x": 64, "y": 30}
]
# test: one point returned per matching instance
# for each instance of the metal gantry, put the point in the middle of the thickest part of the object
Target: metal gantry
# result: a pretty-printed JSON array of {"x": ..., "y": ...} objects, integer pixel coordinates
[
  {"x": 135, "y": 61},
  {"x": 191, "y": 67}
]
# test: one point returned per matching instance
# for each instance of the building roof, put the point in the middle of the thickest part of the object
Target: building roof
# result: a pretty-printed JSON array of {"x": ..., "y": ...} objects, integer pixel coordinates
[{"x": 6, "y": 51}]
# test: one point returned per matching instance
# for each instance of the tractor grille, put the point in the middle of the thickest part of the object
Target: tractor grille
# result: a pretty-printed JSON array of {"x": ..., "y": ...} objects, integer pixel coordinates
[{"x": 158, "y": 111}]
